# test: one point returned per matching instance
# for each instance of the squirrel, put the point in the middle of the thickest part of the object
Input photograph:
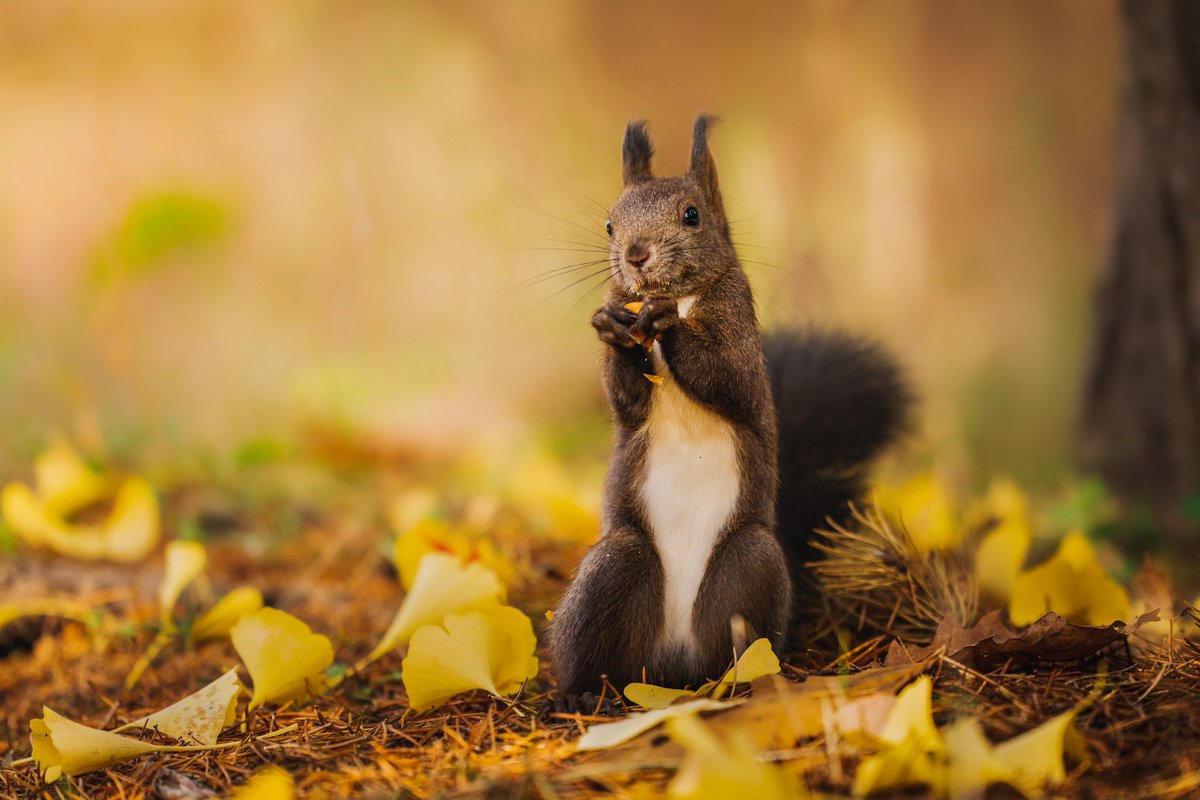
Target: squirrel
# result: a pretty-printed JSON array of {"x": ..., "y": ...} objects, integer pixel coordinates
[{"x": 730, "y": 447}]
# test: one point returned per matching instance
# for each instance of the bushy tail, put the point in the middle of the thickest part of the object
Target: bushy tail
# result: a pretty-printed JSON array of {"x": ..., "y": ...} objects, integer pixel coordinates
[{"x": 840, "y": 401}]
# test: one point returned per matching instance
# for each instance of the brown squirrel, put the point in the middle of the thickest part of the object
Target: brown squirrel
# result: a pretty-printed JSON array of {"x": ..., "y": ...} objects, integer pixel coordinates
[{"x": 727, "y": 453}]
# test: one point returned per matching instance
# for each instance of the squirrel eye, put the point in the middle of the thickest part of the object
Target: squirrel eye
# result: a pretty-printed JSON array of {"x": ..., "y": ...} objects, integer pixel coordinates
[
  {"x": 691, "y": 216},
  {"x": 608, "y": 227}
]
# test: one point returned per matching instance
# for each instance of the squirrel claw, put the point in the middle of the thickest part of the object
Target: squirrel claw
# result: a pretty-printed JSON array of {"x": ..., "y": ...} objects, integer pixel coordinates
[
  {"x": 657, "y": 315},
  {"x": 612, "y": 325}
]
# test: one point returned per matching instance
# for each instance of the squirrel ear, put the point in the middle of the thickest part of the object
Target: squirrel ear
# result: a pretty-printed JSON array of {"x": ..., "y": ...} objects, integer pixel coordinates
[
  {"x": 703, "y": 166},
  {"x": 636, "y": 152}
]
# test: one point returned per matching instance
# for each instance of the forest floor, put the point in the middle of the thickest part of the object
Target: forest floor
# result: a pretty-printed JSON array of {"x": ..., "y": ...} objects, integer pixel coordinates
[{"x": 1137, "y": 709}]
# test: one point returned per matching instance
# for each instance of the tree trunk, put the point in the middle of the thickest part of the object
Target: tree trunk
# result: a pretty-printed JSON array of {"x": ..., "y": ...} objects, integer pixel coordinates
[{"x": 1141, "y": 415}]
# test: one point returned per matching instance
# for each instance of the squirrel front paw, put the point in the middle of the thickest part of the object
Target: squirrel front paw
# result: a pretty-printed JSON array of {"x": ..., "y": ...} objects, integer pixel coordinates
[
  {"x": 612, "y": 323},
  {"x": 657, "y": 315}
]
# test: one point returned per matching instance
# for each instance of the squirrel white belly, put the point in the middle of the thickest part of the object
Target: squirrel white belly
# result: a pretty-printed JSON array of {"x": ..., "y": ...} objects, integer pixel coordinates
[{"x": 689, "y": 492}]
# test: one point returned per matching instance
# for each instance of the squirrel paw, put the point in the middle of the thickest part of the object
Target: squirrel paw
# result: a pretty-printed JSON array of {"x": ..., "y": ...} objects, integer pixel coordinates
[
  {"x": 658, "y": 314},
  {"x": 612, "y": 324}
]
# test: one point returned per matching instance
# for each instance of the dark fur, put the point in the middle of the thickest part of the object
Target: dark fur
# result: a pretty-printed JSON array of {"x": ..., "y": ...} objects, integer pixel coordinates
[{"x": 611, "y": 618}]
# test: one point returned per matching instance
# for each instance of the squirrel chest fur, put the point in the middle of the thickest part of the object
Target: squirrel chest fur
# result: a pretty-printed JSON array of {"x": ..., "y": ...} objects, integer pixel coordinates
[
  {"x": 690, "y": 565},
  {"x": 690, "y": 484}
]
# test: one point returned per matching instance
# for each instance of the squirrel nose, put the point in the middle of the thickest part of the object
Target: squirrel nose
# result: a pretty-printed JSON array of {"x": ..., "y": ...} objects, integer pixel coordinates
[{"x": 637, "y": 255}]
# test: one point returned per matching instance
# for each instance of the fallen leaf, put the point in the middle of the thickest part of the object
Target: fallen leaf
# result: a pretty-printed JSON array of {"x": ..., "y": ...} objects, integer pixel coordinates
[
  {"x": 65, "y": 483},
  {"x": 271, "y": 783},
  {"x": 911, "y": 744},
  {"x": 286, "y": 660},
  {"x": 970, "y": 764},
  {"x": 491, "y": 649},
  {"x": 922, "y": 505},
  {"x": 611, "y": 734},
  {"x": 439, "y": 536},
  {"x": 64, "y": 747},
  {"x": 61, "y": 746},
  {"x": 218, "y": 620},
  {"x": 443, "y": 585},
  {"x": 1071, "y": 584},
  {"x": 999, "y": 558},
  {"x": 757, "y": 661},
  {"x": 990, "y": 643},
  {"x": 198, "y": 718},
  {"x": 1035, "y": 758},
  {"x": 715, "y": 769},
  {"x": 1030, "y": 761},
  {"x": 43, "y": 607},
  {"x": 184, "y": 563}
]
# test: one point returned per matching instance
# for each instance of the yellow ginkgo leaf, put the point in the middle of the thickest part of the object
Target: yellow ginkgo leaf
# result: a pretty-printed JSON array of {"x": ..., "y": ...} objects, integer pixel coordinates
[
  {"x": 131, "y": 530},
  {"x": 271, "y": 783},
  {"x": 184, "y": 563},
  {"x": 923, "y": 505},
  {"x": 999, "y": 558},
  {"x": 43, "y": 607},
  {"x": 648, "y": 695},
  {"x": 425, "y": 537},
  {"x": 1030, "y": 761},
  {"x": 909, "y": 763},
  {"x": 912, "y": 715},
  {"x": 65, "y": 483},
  {"x": 61, "y": 746},
  {"x": 64, "y": 747},
  {"x": 758, "y": 660},
  {"x": 910, "y": 744},
  {"x": 1035, "y": 758},
  {"x": 1073, "y": 585},
  {"x": 439, "y": 536},
  {"x": 198, "y": 718},
  {"x": 286, "y": 660},
  {"x": 611, "y": 734},
  {"x": 971, "y": 765},
  {"x": 492, "y": 649},
  {"x": 714, "y": 770},
  {"x": 218, "y": 620},
  {"x": 443, "y": 585}
]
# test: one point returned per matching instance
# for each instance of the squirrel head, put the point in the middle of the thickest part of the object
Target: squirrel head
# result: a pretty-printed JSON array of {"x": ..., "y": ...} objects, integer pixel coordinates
[{"x": 668, "y": 236}]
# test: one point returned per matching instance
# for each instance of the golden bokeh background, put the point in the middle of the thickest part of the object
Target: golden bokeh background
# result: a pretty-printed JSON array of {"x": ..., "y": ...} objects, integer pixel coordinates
[{"x": 225, "y": 221}]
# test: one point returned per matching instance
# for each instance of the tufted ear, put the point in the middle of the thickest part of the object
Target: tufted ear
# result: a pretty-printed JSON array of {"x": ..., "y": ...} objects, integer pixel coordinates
[
  {"x": 636, "y": 152},
  {"x": 703, "y": 167}
]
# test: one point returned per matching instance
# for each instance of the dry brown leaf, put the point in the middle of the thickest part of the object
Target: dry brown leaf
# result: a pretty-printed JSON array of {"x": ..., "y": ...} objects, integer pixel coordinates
[{"x": 990, "y": 643}]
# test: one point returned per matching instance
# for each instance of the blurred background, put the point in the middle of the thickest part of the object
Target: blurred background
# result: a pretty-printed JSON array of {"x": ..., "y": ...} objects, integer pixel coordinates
[{"x": 223, "y": 224}]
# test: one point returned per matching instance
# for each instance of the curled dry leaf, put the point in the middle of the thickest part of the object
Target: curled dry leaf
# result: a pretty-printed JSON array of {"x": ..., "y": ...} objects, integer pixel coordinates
[
  {"x": 198, "y": 718},
  {"x": 184, "y": 563},
  {"x": 491, "y": 649},
  {"x": 990, "y": 643},
  {"x": 227, "y": 612},
  {"x": 286, "y": 660},
  {"x": 443, "y": 585},
  {"x": 757, "y": 661}
]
